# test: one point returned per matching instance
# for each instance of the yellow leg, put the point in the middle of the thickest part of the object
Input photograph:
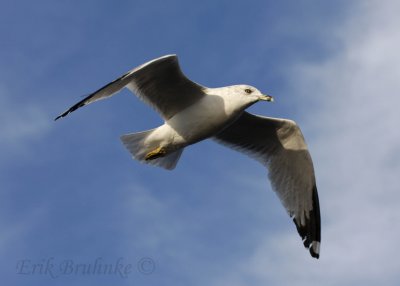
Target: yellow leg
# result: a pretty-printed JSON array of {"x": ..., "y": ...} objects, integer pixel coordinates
[{"x": 156, "y": 153}]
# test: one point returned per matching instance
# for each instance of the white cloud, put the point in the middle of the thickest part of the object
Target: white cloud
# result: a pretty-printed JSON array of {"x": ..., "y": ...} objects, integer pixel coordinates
[
  {"x": 354, "y": 137},
  {"x": 20, "y": 124}
]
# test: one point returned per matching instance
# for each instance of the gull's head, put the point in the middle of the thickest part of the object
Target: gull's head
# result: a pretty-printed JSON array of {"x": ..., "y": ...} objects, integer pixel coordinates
[
  {"x": 243, "y": 95},
  {"x": 251, "y": 93},
  {"x": 239, "y": 96}
]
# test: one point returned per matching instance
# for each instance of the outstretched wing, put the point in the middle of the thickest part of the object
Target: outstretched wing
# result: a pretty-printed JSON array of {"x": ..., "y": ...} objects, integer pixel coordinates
[
  {"x": 160, "y": 83},
  {"x": 279, "y": 145}
]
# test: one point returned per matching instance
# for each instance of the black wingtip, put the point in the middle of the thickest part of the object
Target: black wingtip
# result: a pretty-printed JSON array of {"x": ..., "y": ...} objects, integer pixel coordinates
[
  {"x": 310, "y": 232},
  {"x": 72, "y": 109},
  {"x": 314, "y": 254},
  {"x": 64, "y": 113}
]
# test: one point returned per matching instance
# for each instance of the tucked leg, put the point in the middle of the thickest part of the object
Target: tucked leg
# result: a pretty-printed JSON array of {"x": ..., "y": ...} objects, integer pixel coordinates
[{"x": 156, "y": 153}]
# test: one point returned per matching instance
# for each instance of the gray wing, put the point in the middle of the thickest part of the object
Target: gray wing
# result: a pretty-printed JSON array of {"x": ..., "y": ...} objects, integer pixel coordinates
[
  {"x": 160, "y": 83},
  {"x": 279, "y": 145}
]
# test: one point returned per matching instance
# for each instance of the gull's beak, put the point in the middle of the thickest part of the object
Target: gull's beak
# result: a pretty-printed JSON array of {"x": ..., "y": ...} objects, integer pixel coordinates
[{"x": 266, "y": 98}]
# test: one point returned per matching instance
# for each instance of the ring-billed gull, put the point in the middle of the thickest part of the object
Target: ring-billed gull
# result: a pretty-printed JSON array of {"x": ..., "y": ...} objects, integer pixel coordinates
[{"x": 193, "y": 113}]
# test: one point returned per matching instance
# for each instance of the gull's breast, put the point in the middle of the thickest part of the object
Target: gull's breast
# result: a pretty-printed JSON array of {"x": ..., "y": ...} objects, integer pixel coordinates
[{"x": 200, "y": 120}]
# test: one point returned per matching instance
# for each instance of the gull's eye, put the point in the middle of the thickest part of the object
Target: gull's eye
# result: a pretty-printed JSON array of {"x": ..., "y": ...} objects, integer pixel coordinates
[{"x": 248, "y": 90}]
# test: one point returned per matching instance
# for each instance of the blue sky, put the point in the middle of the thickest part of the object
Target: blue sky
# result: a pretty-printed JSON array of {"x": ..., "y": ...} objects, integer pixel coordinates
[{"x": 71, "y": 192}]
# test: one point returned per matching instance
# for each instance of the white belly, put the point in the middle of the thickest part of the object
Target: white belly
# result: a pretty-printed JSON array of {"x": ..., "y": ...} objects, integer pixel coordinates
[{"x": 197, "y": 122}]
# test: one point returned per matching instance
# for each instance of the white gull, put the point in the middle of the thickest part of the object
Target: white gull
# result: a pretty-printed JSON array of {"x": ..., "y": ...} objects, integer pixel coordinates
[{"x": 193, "y": 113}]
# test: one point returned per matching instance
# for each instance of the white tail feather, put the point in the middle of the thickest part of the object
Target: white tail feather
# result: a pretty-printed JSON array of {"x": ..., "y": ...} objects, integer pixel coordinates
[{"x": 135, "y": 143}]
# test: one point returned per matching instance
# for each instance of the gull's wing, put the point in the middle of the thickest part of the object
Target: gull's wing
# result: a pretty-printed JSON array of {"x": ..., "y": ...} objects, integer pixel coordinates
[
  {"x": 160, "y": 83},
  {"x": 280, "y": 146}
]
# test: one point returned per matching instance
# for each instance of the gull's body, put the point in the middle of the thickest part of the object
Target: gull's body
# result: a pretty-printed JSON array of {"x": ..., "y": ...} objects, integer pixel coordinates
[
  {"x": 192, "y": 113},
  {"x": 202, "y": 120}
]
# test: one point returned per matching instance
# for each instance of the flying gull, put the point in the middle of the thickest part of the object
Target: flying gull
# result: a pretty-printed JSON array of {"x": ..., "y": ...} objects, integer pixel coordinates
[{"x": 193, "y": 112}]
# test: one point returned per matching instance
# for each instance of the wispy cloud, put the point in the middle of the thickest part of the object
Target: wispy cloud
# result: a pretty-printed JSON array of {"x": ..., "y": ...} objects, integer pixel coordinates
[{"x": 20, "y": 123}]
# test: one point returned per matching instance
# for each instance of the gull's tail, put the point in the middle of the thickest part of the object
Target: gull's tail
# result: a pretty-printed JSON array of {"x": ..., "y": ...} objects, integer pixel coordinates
[{"x": 135, "y": 143}]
